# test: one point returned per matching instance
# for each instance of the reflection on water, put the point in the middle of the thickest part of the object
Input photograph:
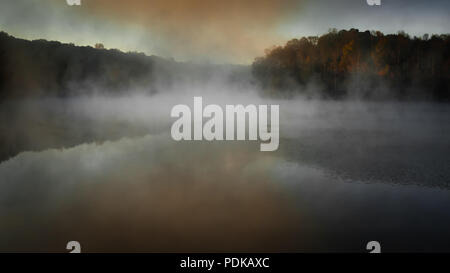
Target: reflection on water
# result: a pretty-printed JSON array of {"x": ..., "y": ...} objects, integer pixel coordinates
[{"x": 345, "y": 174}]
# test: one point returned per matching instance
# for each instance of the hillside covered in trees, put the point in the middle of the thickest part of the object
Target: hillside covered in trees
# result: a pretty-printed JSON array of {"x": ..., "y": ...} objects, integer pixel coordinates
[
  {"x": 367, "y": 65},
  {"x": 49, "y": 68}
]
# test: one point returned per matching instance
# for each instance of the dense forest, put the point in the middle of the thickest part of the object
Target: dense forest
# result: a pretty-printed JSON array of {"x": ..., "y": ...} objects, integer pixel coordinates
[
  {"x": 50, "y": 68},
  {"x": 40, "y": 67},
  {"x": 367, "y": 65}
]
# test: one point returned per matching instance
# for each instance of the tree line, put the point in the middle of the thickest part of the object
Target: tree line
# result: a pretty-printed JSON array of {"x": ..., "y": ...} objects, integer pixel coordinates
[
  {"x": 367, "y": 65},
  {"x": 50, "y": 68}
]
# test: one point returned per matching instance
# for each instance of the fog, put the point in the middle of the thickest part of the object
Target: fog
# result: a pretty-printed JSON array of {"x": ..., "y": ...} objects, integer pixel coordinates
[{"x": 104, "y": 171}]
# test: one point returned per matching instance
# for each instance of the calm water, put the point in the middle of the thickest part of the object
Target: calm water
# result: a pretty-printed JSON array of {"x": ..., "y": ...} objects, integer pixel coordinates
[{"x": 346, "y": 173}]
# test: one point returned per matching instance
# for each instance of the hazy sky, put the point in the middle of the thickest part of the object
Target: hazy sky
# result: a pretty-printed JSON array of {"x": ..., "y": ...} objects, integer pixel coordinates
[{"x": 231, "y": 31}]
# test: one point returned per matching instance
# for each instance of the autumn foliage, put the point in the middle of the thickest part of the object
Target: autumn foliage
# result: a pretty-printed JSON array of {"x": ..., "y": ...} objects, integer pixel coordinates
[{"x": 363, "y": 64}]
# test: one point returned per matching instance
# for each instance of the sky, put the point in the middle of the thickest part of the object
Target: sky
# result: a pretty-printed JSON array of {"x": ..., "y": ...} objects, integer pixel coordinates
[{"x": 232, "y": 31}]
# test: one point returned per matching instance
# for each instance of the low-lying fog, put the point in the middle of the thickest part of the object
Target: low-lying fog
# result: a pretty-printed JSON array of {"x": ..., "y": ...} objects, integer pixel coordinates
[{"x": 105, "y": 171}]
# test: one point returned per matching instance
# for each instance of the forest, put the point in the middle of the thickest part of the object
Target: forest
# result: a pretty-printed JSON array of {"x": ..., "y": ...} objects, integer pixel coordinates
[
  {"x": 41, "y": 68},
  {"x": 364, "y": 65},
  {"x": 340, "y": 64}
]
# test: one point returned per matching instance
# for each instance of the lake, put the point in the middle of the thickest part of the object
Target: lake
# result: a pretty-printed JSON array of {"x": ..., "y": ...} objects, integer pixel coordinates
[{"x": 105, "y": 172}]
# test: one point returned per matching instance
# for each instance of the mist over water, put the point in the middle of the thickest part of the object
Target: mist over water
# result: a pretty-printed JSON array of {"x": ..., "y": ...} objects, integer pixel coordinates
[{"x": 104, "y": 171}]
